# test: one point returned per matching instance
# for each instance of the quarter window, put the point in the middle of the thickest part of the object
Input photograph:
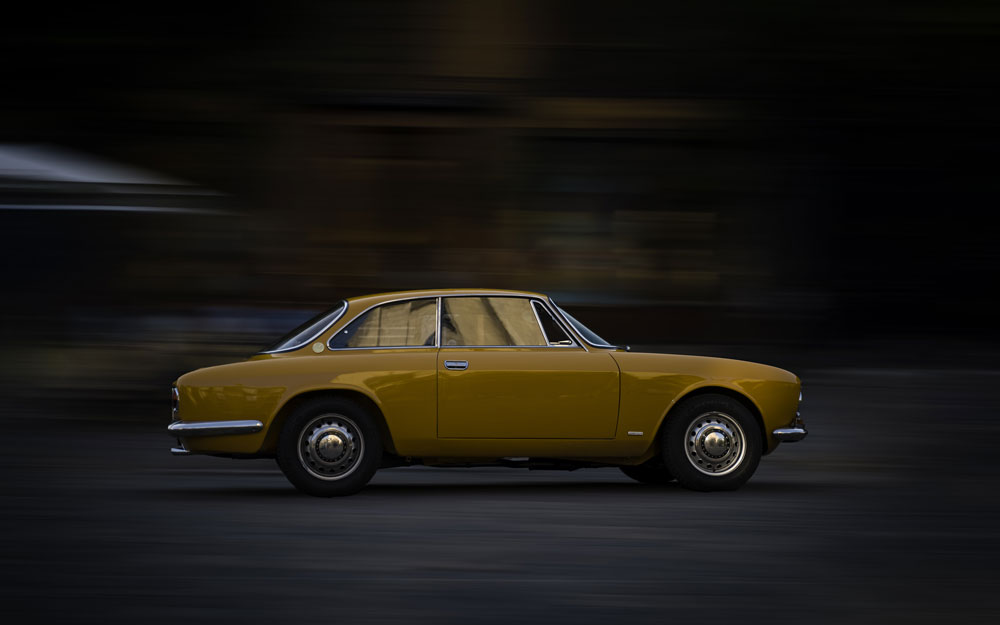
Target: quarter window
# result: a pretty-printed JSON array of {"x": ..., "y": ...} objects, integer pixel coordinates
[
  {"x": 489, "y": 321},
  {"x": 401, "y": 324},
  {"x": 553, "y": 331}
]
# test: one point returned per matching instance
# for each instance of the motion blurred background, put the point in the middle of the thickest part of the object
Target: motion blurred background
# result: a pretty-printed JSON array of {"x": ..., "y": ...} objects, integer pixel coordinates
[{"x": 811, "y": 184}]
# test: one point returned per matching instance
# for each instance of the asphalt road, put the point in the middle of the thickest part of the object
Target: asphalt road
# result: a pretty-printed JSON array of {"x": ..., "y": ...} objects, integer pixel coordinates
[{"x": 887, "y": 513}]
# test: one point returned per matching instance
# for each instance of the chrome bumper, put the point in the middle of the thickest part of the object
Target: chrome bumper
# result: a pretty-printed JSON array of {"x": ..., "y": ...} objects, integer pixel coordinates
[
  {"x": 188, "y": 429},
  {"x": 789, "y": 435},
  {"x": 795, "y": 431}
]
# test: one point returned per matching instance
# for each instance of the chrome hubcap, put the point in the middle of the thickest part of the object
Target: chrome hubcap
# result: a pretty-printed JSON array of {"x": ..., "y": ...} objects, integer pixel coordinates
[
  {"x": 330, "y": 446},
  {"x": 715, "y": 443}
]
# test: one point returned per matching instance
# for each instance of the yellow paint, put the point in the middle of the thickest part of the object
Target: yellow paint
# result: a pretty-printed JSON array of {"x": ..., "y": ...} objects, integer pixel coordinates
[
  {"x": 540, "y": 392},
  {"x": 565, "y": 402}
]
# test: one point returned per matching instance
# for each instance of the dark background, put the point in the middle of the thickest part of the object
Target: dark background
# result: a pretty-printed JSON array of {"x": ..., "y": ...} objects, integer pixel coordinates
[{"x": 807, "y": 184}]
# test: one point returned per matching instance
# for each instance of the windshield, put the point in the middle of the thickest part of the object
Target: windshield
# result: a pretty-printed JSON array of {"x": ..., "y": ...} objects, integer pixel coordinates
[
  {"x": 587, "y": 334},
  {"x": 307, "y": 331}
]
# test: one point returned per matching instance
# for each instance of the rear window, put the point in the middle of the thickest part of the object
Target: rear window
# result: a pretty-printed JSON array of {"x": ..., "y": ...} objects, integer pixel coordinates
[
  {"x": 401, "y": 324},
  {"x": 308, "y": 331}
]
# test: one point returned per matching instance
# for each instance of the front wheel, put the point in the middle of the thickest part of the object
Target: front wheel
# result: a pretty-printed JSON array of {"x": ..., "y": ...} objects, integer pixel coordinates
[
  {"x": 712, "y": 442},
  {"x": 329, "y": 447}
]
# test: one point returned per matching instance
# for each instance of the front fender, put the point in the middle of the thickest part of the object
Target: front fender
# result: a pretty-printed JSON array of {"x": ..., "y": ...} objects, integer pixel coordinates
[{"x": 653, "y": 384}]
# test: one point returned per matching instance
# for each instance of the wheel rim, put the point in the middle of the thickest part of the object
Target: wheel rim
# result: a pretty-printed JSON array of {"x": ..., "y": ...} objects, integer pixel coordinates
[
  {"x": 715, "y": 444},
  {"x": 331, "y": 447}
]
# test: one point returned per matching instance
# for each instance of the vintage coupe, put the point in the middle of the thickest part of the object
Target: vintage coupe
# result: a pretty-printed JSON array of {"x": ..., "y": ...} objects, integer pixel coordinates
[{"x": 481, "y": 377}]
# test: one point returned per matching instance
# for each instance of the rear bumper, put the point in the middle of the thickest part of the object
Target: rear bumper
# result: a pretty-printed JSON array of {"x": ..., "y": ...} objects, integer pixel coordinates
[
  {"x": 192, "y": 429},
  {"x": 187, "y": 429}
]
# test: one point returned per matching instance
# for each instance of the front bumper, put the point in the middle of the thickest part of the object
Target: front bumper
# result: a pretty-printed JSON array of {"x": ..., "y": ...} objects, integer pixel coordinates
[{"x": 793, "y": 432}]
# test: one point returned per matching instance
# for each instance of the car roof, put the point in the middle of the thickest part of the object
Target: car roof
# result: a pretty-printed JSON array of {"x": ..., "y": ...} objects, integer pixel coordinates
[{"x": 385, "y": 297}]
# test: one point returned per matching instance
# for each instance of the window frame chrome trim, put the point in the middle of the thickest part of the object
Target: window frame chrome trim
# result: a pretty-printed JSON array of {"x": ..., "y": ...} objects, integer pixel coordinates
[
  {"x": 531, "y": 298},
  {"x": 538, "y": 320},
  {"x": 437, "y": 327},
  {"x": 332, "y": 323},
  {"x": 354, "y": 349},
  {"x": 437, "y": 330},
  {"x": 545, "y": 334},
  {"x": 507, "y": 346},
  {"x": 570, "y": 331}
]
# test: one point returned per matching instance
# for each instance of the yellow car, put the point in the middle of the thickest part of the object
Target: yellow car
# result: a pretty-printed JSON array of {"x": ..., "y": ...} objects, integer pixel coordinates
[{"x": 481, "y": 377}]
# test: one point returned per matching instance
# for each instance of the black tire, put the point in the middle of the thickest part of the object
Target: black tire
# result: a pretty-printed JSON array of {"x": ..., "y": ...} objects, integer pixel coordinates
[
  {"x": 650, "y": 472},
  {"x": 711, "y": 442},
  {"x": 336, "y": 420}
]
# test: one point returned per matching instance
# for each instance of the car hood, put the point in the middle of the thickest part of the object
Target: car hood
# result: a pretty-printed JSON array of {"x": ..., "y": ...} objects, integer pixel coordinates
[{"x": 702, "y": 366}]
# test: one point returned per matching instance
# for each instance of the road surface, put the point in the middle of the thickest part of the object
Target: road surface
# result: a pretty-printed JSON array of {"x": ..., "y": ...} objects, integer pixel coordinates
[{"x": 887, "y": 513}]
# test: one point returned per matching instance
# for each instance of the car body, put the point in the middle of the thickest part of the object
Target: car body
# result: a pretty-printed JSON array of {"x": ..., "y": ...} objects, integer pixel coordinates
[{"x": 474, "y": 377}]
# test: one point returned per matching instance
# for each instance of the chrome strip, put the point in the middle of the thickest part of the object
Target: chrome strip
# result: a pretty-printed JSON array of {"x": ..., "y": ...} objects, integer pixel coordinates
[
  {"x": 437, "y": 326},
  {"x": 635, "y": 433},
  {"x": 214, "y": 428},
  {"x": 179, "y": 451},
  {"x": 350, "y": 349},
  {"x": 315, "y": 336},
  {"x": 790, "y": 435},
  {"x": 503, "y": 346}
]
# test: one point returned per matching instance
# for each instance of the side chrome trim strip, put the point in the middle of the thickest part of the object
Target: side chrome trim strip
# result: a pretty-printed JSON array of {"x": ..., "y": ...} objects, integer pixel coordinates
[
  {"x": 188, "y": 429},
  {"x": 631, "y": 433}
]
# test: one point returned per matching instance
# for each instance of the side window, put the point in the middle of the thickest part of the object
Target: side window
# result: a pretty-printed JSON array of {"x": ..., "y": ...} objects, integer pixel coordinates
[
  {"x": 403, "y": 324},
  {"x": 553, "y": 331},
  {"x": 494, "y": 321}
]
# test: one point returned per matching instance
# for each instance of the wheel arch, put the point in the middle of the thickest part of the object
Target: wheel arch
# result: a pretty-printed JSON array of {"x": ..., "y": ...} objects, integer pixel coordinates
[
  {"x": 270, "y": 444},
  {"x": 744, "y": 399}
]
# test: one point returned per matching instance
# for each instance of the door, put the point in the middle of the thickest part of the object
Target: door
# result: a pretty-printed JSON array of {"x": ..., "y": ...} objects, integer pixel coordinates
[{"x": 502, "y": 375}]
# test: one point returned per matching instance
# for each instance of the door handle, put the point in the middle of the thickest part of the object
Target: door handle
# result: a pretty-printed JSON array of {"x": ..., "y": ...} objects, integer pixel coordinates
[{"x": 456, "y": 365}]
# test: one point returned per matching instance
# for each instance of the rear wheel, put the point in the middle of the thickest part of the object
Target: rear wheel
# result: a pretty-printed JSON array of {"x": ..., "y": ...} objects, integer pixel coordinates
[
  {"x": 712, "y": 442},
  {"x": 329, "y": 447},
  {"x": 652, "y": 471}
]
